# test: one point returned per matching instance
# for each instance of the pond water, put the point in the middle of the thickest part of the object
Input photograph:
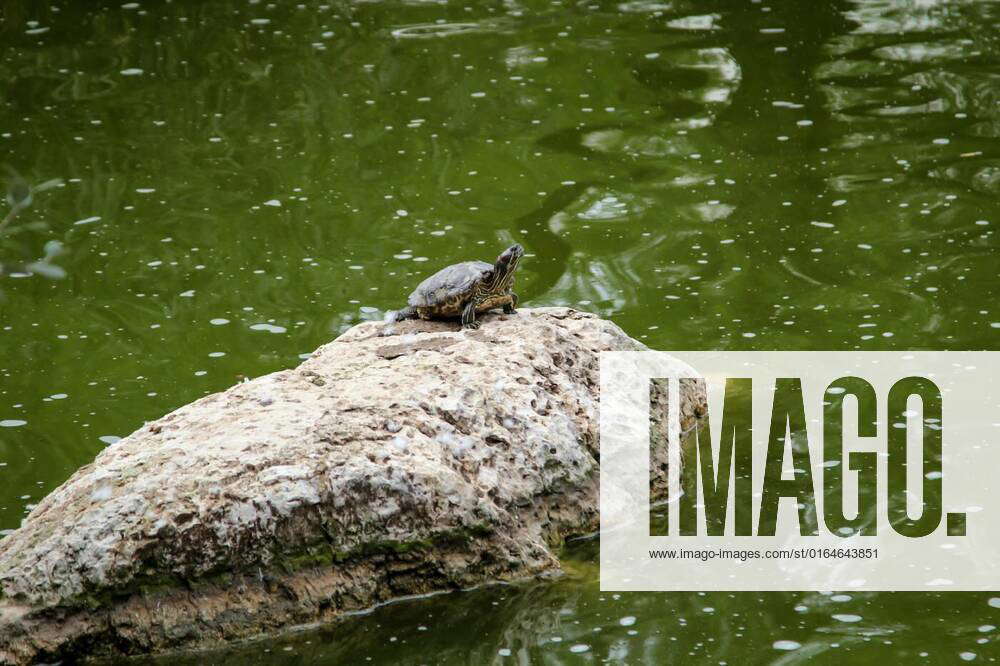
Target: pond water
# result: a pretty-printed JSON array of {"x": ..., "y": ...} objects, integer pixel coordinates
[{"x": 244, "y": 180}]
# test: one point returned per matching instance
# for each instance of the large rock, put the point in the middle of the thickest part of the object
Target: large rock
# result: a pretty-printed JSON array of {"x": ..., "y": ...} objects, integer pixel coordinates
[{"x": 397, "y": 460}]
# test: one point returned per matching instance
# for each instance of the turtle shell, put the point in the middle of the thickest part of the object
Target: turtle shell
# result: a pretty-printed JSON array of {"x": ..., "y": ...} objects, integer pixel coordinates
[{"x": 449, "y": 283}]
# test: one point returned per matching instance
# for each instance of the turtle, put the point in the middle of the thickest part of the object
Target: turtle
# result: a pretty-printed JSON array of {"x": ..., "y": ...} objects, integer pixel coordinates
[{"x": 465, "y": 289}]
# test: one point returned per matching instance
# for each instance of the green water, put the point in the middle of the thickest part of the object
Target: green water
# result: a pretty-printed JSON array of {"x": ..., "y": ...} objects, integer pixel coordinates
[{"x": 710, "y": 175}]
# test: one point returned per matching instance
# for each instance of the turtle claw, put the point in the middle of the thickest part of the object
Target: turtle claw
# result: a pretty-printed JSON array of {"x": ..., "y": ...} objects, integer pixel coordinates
[
  {"x": 509, "y": 310},
  {"x": 472, "y": 325}
]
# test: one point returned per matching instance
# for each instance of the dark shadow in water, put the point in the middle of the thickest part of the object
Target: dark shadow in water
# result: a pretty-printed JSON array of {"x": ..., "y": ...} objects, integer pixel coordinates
[{"x": 551, "y": 251}]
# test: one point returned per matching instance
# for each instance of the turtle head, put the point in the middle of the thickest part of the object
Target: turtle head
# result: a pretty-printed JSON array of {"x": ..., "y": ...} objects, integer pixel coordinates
[
  {"x": 503, "y": 269},
  {"x": 507, "y": 261}
]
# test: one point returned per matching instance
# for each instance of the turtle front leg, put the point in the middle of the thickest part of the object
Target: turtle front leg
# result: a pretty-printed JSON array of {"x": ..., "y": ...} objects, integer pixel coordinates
[
  {"x": 408, "y": 312},
  {"x": 469, "y": 315},
  {"x": 508, "y": 308}
]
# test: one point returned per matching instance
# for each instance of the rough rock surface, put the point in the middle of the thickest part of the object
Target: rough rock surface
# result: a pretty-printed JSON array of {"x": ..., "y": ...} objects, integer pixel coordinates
[{"x": 396, "y": 460}]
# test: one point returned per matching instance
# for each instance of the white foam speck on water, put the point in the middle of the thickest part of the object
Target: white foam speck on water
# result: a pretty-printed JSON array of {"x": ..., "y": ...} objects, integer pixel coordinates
[
  {"x": 110, "y": 439},
  {"x": 131, "y": 71},
  {"x": 218, "y": 321},
  {"x": 270, "y": 328},
  {"x": 88, "y": 220},
  {"x": 273, "y": 202},
  {"x": 786, "y": 645},
  {"x": 579, "y": 648},
  {"x": 58, "y": 396},
  {"x": 145, "y": 190},
  {"x": 994, "y": 601},
  {"x": 840, "y": 202},
  {"x": 504, "y": 652},
  {"x": 967, "y": 656},
  {"x": 627, "y": 621},
  {"x": 187, "y": 294},
  {"x": 260, "y": 21},
  {"x": 12, "y": 423},
  {"x": 846, "y": 617}
]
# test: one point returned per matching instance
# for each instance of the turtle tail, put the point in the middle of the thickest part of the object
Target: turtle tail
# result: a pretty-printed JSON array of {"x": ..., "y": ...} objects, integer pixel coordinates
[{"x": 408, "y": 312}]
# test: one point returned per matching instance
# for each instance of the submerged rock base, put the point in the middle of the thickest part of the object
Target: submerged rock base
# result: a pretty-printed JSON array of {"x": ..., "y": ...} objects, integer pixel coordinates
[{"x": 399, "y": 459}]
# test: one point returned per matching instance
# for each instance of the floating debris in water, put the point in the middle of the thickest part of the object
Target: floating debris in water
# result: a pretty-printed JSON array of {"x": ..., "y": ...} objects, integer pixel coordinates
[
  {"x": 270, "y": 328},
  {"x": 846, "y": 617},
  {"x": 431, "y": 30}
]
